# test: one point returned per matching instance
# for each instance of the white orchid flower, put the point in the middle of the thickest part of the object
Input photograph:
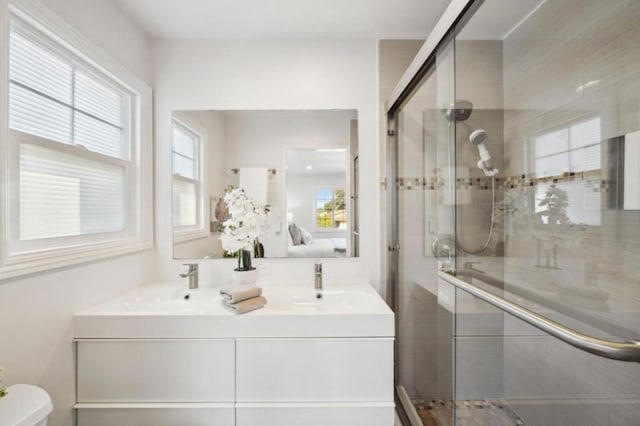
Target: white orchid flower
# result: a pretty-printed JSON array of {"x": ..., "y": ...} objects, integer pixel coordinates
[{"x": 247, "y": 221}]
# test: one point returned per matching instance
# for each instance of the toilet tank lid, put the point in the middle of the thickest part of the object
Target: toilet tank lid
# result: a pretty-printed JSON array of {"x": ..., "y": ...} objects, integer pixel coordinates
[{"x": 24, "y": 405}]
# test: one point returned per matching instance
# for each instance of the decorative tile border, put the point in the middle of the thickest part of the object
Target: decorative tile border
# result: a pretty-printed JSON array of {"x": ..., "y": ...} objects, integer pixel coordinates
[
  {"x": 592, "y": 180},
  {"x": 427, "y": 184}
]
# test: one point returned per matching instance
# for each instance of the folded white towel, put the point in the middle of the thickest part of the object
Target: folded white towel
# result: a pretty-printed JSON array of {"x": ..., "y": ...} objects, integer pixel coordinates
[
  {"x": 247, "y": 305},
  {"x": 240, "y": 293}
]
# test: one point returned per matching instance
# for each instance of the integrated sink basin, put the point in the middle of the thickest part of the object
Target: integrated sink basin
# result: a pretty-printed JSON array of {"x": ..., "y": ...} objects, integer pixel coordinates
[
  {"x": 347, "y": 299},
  {"x": 292, "y": 311}
]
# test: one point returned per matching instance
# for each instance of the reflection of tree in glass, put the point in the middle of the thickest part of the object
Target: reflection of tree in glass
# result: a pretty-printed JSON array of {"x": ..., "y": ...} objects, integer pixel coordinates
[
  {"x": 324, "y": 220},
  {"x": 333, "y": 213},
  {"x": 338, "y": 202},
  {"x": 556, "y": 202}
]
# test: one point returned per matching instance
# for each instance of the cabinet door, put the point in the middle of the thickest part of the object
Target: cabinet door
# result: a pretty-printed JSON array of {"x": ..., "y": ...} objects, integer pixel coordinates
[
  {"x": 320, "y": 370},
  {"x": 156, "y": 416},
  {"x": 156, "y": 371},
  {"x": 316, "y": 415}
]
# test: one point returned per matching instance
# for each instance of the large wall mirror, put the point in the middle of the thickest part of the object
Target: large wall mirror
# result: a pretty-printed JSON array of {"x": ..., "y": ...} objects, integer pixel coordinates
[{"x": 303, "y": 164}]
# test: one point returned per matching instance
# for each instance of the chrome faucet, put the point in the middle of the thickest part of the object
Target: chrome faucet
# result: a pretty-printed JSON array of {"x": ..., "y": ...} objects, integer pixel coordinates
[
  {"x": 318, "y": 277},
  {"x": 192, "y": 273}
]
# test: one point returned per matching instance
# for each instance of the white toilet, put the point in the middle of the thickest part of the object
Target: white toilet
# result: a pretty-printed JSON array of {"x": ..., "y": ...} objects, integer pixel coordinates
[{"x": 25, "y": 405}]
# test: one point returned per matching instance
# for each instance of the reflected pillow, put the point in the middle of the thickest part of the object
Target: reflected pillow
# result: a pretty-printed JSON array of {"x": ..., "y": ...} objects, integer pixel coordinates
[
  {"x": 296, "y": 236},
  {"x": 306, "y": 236},
  {"x": 289, "y": 239}
]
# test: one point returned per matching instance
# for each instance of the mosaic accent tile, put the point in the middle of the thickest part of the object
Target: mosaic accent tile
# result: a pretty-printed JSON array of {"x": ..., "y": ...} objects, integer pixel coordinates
[
  {"x": 592, "y": 181},
  {"x": 421, "y": 183}
]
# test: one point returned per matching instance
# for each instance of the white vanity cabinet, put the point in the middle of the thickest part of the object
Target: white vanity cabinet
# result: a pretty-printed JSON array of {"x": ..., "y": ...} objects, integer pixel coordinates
[
  {"x": 246, "y": 382},
  {"x": 143, "y": 362}
]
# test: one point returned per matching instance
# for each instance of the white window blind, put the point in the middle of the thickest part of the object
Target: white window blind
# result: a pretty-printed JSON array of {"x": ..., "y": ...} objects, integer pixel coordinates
[
  {"x": 185, "y": 203},
  {"x": 69, "y": 129},
  {"x": 64, "y": 195},
  {"x": 186, "y": 177}
]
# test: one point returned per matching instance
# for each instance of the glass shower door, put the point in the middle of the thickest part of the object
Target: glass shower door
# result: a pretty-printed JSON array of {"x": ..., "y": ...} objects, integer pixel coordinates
[
  {"x": 517, "y": 174},
  {"x": 548, "y": 175},
  {"x": 425, "y": 197}
]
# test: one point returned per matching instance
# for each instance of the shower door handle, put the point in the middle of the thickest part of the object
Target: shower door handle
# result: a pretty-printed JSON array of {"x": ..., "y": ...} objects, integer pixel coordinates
[{"x": 627, "y": 351}]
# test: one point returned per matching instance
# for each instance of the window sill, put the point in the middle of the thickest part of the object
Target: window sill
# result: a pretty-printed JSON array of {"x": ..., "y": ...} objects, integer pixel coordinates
[
  {"x": 184, "y": 236},
  {"x": 24, "y": 265}
]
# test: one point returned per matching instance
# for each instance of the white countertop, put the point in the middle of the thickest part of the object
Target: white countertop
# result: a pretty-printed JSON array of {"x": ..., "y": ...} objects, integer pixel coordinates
[{"x": 161, "y": 311}]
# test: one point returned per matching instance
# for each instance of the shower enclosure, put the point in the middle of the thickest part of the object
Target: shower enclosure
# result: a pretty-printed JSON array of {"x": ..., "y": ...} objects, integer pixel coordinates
[{"x": 515, "y": 216}]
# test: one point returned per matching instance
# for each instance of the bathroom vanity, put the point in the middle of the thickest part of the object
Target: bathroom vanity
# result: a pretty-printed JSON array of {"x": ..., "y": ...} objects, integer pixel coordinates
[{"x": 154, "y": 357}]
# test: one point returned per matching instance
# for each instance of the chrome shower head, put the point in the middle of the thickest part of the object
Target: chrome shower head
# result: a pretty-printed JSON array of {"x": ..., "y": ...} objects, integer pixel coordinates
[{"x": 478, "y": 137}]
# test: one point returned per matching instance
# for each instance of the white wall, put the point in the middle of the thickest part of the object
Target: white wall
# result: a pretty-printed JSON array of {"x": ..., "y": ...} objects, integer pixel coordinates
[
  {"x": 37, "y": 311},
  {"x": 106, "y": 26},
  {"x": 270, "y": 74},
  {"x": 301, "y": 200}
]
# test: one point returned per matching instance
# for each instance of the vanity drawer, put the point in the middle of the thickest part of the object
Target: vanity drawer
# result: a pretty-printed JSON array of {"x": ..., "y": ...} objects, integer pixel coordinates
[
  {"x": 315, "y": 414},
  {"x": 155, "y": 414},
  {"x": 319, "y": 370},
  {"x": 155, "y": 370}
]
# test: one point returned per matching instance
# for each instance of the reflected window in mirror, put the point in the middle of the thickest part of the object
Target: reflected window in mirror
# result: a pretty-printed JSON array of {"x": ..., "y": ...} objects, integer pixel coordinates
[
  {"x": 567, "y": 164},
  {"x": 331, "y": 209},
  {"x": 318, "y": 182},
  {"x": 187, "y": 178}
]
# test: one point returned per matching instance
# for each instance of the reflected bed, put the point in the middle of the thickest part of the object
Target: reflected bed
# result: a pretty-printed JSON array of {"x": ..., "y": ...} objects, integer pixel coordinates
[{"x": 320, "y": 247}]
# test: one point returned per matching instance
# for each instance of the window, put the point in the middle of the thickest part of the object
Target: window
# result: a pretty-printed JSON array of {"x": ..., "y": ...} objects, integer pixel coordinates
[
  {"x": 187, "y": 181},
  {"x": 330, "y": 209},
  {"x": 575, "y": 148},
  {"x": 75, "y": 182}
]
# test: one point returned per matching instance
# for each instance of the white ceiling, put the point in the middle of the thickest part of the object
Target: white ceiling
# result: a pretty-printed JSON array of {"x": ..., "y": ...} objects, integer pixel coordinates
[
  {"x": 302, "y": 161},
  {"x": 245, "y": 19}
]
